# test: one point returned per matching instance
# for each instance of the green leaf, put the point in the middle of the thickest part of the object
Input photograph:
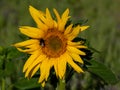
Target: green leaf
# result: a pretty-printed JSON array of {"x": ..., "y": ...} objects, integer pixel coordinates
[
  {"x": 1, "y": 61},
  {"x": 80, "y": 21},
  {"x": 102, "y": 71},
  {"x": 10, "y": 68},
  {"x": 13, "y": 53},
  {"x": 2, "y": 74},
  {"x": 1, "y": 50},
  {"x": 27, "y": 84}
]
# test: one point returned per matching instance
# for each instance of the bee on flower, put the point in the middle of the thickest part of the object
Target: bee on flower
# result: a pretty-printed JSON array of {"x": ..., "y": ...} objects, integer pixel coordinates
[{"x": 51, "y": 45}]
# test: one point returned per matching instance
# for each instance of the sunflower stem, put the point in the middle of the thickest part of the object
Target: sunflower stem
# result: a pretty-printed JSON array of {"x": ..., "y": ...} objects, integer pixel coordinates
[
  {"x": 61, "y": 85},
  {"x": 3, "y": 84}
]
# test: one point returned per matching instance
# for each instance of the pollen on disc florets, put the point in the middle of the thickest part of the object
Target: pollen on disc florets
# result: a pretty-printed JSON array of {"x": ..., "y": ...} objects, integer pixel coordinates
[{"x": 54, "y": 43}]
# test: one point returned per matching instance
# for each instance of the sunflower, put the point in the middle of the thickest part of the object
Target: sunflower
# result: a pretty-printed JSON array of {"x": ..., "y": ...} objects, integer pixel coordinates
[{"x": 51, "y": 45}]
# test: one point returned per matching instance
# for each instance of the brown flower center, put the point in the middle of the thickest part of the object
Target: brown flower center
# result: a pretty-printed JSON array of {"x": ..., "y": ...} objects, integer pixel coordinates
[{"x": 54, "y": 44}]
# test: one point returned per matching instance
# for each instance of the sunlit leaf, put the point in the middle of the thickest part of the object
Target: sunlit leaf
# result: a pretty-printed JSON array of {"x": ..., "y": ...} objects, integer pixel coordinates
[
  {"x": 27, "y": 84},
  {"x": 102, "y": 71}
]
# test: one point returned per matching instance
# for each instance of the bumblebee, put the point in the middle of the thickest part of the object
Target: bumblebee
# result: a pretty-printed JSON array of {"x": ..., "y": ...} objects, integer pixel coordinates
[{"x": 42, "y": 42}]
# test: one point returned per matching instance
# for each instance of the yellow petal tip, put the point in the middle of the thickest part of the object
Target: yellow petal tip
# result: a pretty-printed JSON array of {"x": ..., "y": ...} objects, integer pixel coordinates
[{"x": 84, "y": 28}]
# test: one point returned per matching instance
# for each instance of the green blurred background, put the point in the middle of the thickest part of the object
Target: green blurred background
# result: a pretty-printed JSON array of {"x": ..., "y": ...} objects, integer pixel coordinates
[{"x": 103, "y": 18}]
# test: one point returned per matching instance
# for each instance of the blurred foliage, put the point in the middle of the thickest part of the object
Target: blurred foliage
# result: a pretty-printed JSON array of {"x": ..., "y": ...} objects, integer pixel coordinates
[{"x": 103, "y": 35}]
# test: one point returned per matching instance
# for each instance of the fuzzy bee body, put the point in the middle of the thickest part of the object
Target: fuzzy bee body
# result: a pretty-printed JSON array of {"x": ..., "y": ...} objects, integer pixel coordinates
[{"x": 42, "y": 42}]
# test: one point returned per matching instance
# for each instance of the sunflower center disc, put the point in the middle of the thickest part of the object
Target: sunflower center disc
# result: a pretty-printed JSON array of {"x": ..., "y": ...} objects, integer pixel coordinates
[{"x": 55, "y": 44}]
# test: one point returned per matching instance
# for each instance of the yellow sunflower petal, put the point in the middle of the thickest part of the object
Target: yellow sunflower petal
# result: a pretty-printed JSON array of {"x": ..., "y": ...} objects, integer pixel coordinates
[
  {"x": 36, "y": 14},
  {"x": 75, "y": 66},
  {"x": 55, "y": 25},
  {"x": 65, "y": 14},
  {"x": 62, "y": 66},
  {"x": 50, "y": 21},
  {"x": 76, "y": 57},
  {"x": 57, "y": 14},
  {"x": 58, "y": 67},
  {"x": 68, "y": 29},
  {"x": 48, "y": 70},
  {"x": 44, "y": 70},
  {"x": 26, "y": 43},
  {"x": 48, "y": 15},
  {"x": 32, "y": 32},
  {"x": 55, "y": 63},
  {"x": 64, "y": 20},
  {"x": 76, "y": 44},
  {"x": 74, "y": 33},
  {"x": 83, "y": 28},
  {"x": 46, "y": 20},
  {"x": 30, "y": 60},
  {"x": 34, "y": 46},
  {"x": 43, "y": 83},
  {"x": 42, "y": 76},
  {"x": 75, "y": 50},
  {"x": 29, "y": 48},
  {"x": 35, "y": 63},
  {"x": 73, "y": 43},
  {"x": 81, "y": 46},
  {"x": 26, "y": 50},
  {"x": 43, "y": 19},
  {"x": 33, "y": 71}
]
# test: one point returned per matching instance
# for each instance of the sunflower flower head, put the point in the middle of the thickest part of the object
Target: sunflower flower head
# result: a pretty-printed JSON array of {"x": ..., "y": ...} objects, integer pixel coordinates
[{"x": 51, "y": 45}]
